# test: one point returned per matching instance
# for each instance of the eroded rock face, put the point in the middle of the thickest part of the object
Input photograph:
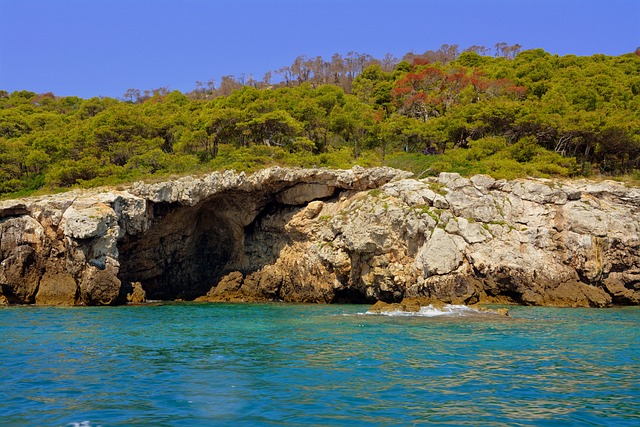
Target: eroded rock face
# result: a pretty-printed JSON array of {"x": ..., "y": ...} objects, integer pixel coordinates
[
  {"x": 310, "y": 235},
  {"x": 157, "y": 241}
]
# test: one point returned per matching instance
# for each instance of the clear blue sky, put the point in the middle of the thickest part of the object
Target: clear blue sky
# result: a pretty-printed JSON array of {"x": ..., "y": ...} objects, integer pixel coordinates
[{"x": 103, "y": 47}]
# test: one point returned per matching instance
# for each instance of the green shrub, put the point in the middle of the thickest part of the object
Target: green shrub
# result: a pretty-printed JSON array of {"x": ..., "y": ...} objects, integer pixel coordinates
[
  {"x": 70, "y": 172},
  {"x": 525, "y": 150},
  {"x": 485, "y": 147}
]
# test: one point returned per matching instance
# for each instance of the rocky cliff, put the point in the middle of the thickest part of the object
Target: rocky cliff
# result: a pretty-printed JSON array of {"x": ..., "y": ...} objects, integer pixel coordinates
[{"x": 311, "y": 235}]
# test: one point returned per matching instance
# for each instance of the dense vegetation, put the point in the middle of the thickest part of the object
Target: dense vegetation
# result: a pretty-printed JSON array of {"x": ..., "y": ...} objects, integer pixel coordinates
[{"x": 512, "y": 114}]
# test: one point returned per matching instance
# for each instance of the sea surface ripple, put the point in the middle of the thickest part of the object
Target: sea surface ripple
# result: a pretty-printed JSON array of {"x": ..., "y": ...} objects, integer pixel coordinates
[{"x": 317, "y": 365}]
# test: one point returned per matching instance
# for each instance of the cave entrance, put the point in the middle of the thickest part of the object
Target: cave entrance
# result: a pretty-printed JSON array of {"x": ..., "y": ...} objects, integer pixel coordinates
[{"x": 187, "y": 249}]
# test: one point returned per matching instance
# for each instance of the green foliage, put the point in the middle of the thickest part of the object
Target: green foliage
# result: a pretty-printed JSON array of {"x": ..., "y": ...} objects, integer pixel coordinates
[
  {"x": 530, "y": 114},
  {"x": 491, "y": 156},
  {"x": 70, "y": 172},
  {"x": 438, "y": 188},
  {"x": 433, "y": 214}
]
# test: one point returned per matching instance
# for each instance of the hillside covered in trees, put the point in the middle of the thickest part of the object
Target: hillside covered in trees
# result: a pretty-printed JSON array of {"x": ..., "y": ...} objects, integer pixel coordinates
[{"x": 508, "y": 114}]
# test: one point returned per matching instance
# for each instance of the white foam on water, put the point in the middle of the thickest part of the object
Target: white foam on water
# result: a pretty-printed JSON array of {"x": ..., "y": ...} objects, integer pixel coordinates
[
  {"x": 82, "y": 424},
  {"x": 431, "y": 311}
]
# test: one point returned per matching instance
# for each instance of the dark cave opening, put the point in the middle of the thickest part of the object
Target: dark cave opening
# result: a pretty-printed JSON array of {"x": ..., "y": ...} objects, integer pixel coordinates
[
  {"x": 184, "y": 252},
  {"x": 187, "y": 250},
  {"x": 350, "y": 296}
]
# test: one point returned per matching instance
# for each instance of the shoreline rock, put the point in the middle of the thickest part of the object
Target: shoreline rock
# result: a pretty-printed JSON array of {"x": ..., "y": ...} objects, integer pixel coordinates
[
  {"x": 415, "y": 305},
  {"x": 323, "y": 236}
]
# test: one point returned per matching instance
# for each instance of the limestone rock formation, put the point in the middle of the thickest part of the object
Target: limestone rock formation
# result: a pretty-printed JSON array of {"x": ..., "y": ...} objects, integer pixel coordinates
[
  {"x": 315, "y": 235},
  {"x": 159, "y": 241}
]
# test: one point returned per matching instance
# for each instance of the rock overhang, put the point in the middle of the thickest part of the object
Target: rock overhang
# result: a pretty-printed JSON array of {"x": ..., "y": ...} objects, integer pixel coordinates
[
  {"x": 316, "y": 235},
  {"x": 150, "y": 232}
]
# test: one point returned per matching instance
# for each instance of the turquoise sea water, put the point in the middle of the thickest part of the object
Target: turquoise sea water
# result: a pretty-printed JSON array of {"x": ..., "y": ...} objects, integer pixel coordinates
[{"x": 316, "y": 365}]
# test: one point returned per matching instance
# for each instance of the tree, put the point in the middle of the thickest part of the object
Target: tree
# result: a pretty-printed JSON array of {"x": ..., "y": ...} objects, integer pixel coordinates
[
  {"x": 266, "y": 79},
  {"x": 352, "y": 122},
  {"x": 417, "y": 93},
  {"x": 388, "y": 63},
  {"x": 337, "y": 68},
  {"x": 447, "y": 53},
  {"x": 519, "y": 112},
  {"x": 287, "y": 75},
  {"x": 470, "y": 59},
  {"x": 373, "y": 86},
  {"x": 480, "y": 50},
  {"x": 506, "y": 50},
  {"x": 13, "y": 123},
  {"x": 301, "y": 69},
  {"x": 499, "y": 48},
  {"x": 272, "y": 128},
  {"x": 314, "y": 121},
  {"x": 222, "y": 125},
  {"x": 228, "y": 84},
  {"x": 132, "y": 95}
]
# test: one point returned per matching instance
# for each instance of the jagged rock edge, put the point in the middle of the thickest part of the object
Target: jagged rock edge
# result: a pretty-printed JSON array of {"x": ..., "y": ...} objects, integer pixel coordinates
[{"x": 365, "y": 267}]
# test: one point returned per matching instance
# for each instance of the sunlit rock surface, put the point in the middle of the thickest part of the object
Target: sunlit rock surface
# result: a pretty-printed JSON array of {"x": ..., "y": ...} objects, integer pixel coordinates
[{"x": 315, "y": 235}]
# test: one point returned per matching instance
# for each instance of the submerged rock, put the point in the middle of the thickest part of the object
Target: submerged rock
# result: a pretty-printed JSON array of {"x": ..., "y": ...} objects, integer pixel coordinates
[
  {"x": 408, "y": 305},
  {"x": 314, "y": 235},
  {"x": 429, "y": 306}
]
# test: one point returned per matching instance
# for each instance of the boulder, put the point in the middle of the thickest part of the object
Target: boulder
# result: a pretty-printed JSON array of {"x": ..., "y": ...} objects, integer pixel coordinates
[
  {"x": 137, "y": 294},
  {"x": 57, "y": 288}
]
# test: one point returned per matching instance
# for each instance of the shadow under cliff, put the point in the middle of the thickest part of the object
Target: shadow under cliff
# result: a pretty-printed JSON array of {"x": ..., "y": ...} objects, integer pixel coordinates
[{"x": 188, "y": 249}]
